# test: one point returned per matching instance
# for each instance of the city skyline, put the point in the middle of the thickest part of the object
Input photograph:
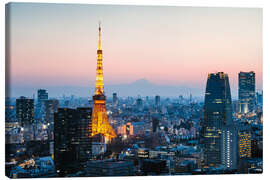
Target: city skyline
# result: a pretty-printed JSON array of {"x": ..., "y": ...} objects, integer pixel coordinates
[
  {"x": 194, "y": 107},
  {"x": 218, "y": 43}
]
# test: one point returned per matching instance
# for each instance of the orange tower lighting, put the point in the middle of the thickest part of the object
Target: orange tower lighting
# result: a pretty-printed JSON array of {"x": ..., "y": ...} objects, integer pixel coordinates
[{"x": 100, "y": 123}]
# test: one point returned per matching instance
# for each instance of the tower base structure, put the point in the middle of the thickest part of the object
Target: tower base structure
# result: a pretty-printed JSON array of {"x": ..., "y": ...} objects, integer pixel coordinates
[{"x": 102, "y": 131}]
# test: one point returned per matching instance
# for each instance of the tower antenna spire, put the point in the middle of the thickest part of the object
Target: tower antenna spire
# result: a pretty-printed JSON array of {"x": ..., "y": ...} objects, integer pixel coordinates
[{"x": 99, "y": 35}]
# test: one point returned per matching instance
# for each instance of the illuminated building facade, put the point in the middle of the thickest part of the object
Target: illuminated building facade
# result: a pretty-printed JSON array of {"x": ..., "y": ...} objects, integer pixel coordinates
[
  {"x": 126, "y": 129},
  {"x": 244, "y": 144},
  {"x": 246, "y": 91},
  {"x": 217, "y": 118},
  {"x": 100, "y": 124},
  {"x": 132, "y": 128},
  {"x": 229, "y": 147}
]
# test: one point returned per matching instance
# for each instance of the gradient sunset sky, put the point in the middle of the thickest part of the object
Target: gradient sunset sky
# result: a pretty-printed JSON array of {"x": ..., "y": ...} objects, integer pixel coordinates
[{"x": 55, "y": 44}]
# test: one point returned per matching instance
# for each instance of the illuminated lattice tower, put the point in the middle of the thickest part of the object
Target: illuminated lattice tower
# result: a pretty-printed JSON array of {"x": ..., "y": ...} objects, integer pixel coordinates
[{"x": 100, "y": 124}]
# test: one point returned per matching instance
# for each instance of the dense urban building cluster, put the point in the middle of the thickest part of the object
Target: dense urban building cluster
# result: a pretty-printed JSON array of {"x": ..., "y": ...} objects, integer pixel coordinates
[{"x": 128, "y": 136}]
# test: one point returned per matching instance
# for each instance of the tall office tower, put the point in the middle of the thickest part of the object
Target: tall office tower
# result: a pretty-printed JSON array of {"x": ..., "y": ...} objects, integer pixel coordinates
[
  {"x": 100, "y": 123},
  {"x": 72, "y": 144},
  {"x": 42, "y": 96},
  {"x": 246, "y": 91},
  {"x": 157, "y": 101},
  {"x": 51, "y": 107},
  {"x": 217, "y": 117},
  {"x": 115, "y": 100},
  {"x": 25, "y": 111},
  {"x": 83, "y": 133},
  {"x": 25, "y": 117}
]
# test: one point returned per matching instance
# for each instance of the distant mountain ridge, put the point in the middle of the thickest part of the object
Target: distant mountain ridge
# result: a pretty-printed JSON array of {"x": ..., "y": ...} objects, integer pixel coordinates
[{"x": 141, "y": 87}]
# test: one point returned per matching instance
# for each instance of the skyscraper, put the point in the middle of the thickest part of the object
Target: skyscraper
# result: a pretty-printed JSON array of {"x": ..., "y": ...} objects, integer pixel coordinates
[
  {"x": 25, "y": 111},
  {"x": 25, "y": 116},
  {"x": 100, "y": 124},
  {"x": 155, "y": 123},
  {"x": 157, "y": 101},
  {"x": 42, "y": 96},
  {"x": 64, "y": 142},
  {"x": 246, "y": 91},
  {"x": 82, "y": 135},
  {"x": 51, "y": 107},
  {"x": 72, "y": 144},
  {"x": 115, "y": 100},
  {"x": 218, "y": 131},
  {"x": 139, "y": 104}
]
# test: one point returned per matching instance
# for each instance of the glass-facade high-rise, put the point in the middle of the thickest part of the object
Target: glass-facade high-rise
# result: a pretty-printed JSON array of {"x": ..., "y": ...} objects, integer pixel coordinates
[
  {"x": 25, "y": 111},
  {"x": 42, "y": 97},
  {"x": 246, "y": 91},
  {"x": 218, "y": 130},
  {"x": 157, "y": 101},
  {"x": 115, "y": 99},
  {"x": 72, "y": 142},
  {"x": 50, "y": 107},
  {"x": 25, "y": 117}
]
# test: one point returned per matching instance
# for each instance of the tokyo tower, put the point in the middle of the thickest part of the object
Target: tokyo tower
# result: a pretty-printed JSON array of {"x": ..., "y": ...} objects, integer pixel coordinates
[{"x": 100, "y": 124}]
